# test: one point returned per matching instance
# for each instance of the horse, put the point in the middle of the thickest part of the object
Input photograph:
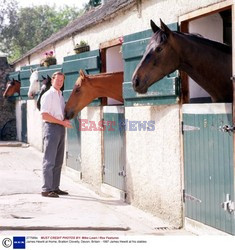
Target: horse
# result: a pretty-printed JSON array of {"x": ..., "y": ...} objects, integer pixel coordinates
[
  {"x": 46, "y": 84},
  {"x": 12, "y": 87},
  {"x": 34, "y": 86},
  {"x": 207, "y": 62},
  {"x": 89, "y": 87}
]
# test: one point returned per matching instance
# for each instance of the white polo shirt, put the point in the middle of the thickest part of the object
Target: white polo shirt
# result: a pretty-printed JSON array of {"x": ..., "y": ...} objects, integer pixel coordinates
[{"x": 52, "y": 102}]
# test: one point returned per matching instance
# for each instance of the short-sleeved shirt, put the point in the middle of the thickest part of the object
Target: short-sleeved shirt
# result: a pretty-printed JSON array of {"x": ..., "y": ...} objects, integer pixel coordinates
[{"x": 52, "y": 102}]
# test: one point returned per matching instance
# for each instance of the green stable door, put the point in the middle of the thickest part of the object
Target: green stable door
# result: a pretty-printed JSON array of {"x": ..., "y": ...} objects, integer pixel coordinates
[
  {"x": 208, "y": 165},
  {"x": 90, "y": 63},
  {"x": 114, "y": 147}
]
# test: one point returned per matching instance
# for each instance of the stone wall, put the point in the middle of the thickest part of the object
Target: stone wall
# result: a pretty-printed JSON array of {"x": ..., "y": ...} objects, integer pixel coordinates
[{"x": 7, "y": 106}]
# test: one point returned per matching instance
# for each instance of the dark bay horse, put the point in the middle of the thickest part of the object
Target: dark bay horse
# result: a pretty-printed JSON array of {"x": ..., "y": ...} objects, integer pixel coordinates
[
  {"x": 46, "y": 84},
  {"x": 207, "y": 62},
  {"x": 12, "y": 87},
  {"x": 89, "y": 87}
]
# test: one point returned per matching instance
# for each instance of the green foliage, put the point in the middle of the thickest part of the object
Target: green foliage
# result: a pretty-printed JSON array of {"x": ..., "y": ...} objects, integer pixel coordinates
[
  {"x": 83, "y": 43},
  {"x": 8, "y": 10},
  {"x": 92, "y": 3},
  {"x": 31, "y": 26}
]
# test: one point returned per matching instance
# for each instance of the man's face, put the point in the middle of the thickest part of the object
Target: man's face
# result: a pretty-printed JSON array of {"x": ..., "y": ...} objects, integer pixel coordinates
[{"x": 57, "y": 81}]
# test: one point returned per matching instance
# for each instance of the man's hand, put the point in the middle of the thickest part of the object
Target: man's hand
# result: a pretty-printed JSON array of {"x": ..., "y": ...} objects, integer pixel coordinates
[
  {"x": 49, "y": 118},
  {"x": 67, "y": 124}
]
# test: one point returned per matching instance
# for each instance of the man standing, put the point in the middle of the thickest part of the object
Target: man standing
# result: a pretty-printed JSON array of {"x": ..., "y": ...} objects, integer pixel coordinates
[{"x": 52, "y": 111}]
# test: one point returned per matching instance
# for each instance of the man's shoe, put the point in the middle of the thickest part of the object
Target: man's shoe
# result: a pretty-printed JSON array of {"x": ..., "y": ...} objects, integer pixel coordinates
[
  {"x": 50, "y": 194},
  {"x": 60, "y": 192}
]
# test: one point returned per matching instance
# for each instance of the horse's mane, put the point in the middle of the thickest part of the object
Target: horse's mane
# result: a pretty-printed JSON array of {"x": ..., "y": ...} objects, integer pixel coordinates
[
  {"x": 200, "y": 39},
  {"x": 13, "y": 81},
  {"x": 103, "y": 74}
]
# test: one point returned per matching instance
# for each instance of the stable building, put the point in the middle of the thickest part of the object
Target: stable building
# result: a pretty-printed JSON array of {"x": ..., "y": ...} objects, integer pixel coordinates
[{"x": 171, "y": 171}]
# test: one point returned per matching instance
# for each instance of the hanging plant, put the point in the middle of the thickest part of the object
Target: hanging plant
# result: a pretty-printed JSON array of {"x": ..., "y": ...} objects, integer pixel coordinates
[
  {"x": 49, "y": 59},
  {"x": 81, "y": 47}
]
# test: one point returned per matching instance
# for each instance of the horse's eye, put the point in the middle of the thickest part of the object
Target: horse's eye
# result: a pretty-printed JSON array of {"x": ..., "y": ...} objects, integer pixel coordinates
[
  {"x": 77, "y": 90},
  {"x": 158, "y": 49}
]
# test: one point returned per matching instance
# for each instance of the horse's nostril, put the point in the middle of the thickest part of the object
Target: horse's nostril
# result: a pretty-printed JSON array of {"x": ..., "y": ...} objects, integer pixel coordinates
[{"x": 136, "y": 82}]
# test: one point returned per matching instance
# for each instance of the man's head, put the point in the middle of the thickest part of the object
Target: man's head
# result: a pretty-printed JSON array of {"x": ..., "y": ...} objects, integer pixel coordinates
[{"x": 57, "y": 80}]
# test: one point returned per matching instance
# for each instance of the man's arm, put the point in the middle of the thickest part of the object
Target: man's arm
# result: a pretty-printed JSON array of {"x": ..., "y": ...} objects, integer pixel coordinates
[{"x": 49, "y": 118}]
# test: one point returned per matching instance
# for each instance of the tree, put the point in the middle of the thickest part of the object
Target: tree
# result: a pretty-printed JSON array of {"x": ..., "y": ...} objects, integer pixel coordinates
[
  {"x": 8, "y": 12},
  {"x": 33, "y": 25},
  {"x": 92, "y": 3}
]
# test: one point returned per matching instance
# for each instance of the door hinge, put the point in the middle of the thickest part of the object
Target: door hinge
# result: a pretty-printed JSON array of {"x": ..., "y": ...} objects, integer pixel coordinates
[
  {"x": 79, "y": 158},
  {"x": 189, "y": 128},
  {"x": 122, "y": 173},
  {"x": 190, "y": 197},
  {"x": 228, "y": 205},
  {"x": 227, "y": 128}
]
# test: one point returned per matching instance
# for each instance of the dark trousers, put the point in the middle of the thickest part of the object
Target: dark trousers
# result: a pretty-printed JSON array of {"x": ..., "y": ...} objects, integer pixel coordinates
[{"x": 54, "y": 141}]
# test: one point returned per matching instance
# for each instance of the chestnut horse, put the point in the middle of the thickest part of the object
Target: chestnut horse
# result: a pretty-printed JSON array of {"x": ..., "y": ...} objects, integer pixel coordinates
[
  {"x": 89, "y": 87},
  {"x": 207, "y": 62},
  {"x": 12, "y": 87}
]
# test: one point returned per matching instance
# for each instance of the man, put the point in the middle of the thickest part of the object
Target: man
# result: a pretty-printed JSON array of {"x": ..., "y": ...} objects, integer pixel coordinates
[{"x": 52, "y": 111}]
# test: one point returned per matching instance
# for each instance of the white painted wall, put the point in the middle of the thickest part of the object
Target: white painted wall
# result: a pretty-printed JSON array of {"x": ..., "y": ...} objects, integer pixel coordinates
[
  {"x": 18, "y": 120},
  {"x": 210, "y": 27},
  {"x": 153, "y": 164},
  {"x": 91, "y": 149},
  {"x": 114, "y": 63},
  {"x": 34, "y": 125}
]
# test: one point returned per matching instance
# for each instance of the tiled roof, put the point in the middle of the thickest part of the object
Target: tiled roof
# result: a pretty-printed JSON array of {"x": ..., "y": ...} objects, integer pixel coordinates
[{"x": 92, "y": 17}]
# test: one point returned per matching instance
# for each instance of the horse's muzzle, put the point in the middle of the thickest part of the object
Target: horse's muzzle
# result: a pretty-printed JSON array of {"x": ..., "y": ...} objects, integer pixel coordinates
[
  {"x": 135, "y": 82},
  {"x": 137, "y": 87},
  {"x": 69, "y": 115}
]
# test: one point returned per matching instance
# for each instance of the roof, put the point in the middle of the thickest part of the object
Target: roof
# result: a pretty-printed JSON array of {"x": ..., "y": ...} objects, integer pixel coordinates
[{"x": 92, "y": 17}]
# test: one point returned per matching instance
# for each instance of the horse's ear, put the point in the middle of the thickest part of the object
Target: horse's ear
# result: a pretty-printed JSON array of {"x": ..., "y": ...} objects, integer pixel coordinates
[
  {"x": 31, "y": 70},
  {"x": 43, "y": 77},
  {"x": 164, "y": 27},
  {"x": 82, "y": 74},
  {"x": 154, "y": 27}
]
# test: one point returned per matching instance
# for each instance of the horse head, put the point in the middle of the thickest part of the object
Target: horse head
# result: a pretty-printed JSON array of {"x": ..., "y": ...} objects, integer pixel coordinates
[
  {"x": 46, "y": 84},
  {"x": 159, "y": 59},
  {"x": 73, "y": 106},
  {"x": 12, "y": 87},
  {"x": 34, "y": 84}
]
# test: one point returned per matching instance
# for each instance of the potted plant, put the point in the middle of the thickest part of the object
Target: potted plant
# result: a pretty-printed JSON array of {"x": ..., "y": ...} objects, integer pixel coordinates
[
  {"x": 49, "y": 59},
  {"x": 81, "y": 47}
]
